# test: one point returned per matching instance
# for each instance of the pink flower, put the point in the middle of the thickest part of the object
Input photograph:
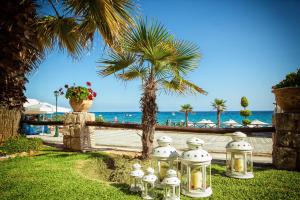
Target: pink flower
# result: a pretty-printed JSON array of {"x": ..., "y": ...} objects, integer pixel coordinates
[
  {"x": 90, "y": 97},
  {"x": 88, "y": 83},
  {"x": 94, "y": 94}
]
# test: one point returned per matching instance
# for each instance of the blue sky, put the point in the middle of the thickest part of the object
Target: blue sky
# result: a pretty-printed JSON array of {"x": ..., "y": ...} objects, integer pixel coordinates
[{"x": 246, "y": 47}]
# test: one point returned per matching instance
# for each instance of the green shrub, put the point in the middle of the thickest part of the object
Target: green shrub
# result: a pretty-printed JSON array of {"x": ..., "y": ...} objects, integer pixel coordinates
[
  {"x": 21, "y": 144},
  {"x": 245, "y": 113},
  {"x": 246, "y": 122},
  {"x": 100, "y": 118},
  {"x": 291, "y": 80},
  {"x": 244, "y": 102}
]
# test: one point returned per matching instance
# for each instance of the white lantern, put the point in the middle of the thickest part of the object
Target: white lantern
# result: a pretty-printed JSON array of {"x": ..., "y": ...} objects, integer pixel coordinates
[
  {"x": 171, "y": 186},
  {"x": 164, "y": 157},
  {"x": 136, "y": 176},
  {"x": 148, "y": 184},
  {"x": 196, "y": 170},
  {"x": 239, "y": 162}
]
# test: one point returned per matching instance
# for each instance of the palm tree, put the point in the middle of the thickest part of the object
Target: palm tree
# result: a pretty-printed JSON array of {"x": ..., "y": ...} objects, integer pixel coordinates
[
  {"x": 161, "y": 62},
  {"x": 25, "y": 36},
  {"x": 186, "y": 108},
  {"x": 219, "y": 105}
]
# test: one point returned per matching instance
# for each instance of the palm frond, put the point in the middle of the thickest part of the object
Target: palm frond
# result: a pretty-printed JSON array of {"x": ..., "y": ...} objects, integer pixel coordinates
[
  {"x": 109, "y": 17},
  {"x": 186, "y": 108},
  {"x": 117, "y": 61},
  {"x": 60, "y": 30},
  {"x": 135, "y": 72}
]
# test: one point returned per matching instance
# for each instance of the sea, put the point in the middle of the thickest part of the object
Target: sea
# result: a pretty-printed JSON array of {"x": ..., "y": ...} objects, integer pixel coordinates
[{"x": 173, "y": 116}]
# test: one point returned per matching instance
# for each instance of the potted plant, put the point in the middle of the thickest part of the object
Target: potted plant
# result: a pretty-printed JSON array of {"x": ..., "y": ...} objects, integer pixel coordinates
[
  {"x": 287, "y": 92},
  {"x": 80, "y": 97}
]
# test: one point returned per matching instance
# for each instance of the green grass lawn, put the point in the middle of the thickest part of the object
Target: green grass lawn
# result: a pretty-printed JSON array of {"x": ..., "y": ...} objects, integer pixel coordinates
[{"x": 54, "y": 174}]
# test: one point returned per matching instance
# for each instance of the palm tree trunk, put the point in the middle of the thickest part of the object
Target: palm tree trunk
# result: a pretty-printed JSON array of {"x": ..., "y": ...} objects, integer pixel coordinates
[
  {"x": 186, "y": 118},
  {"x": 219, "y": 118},
  {"x": 19, "y": 53},
  {"x": 149, "y": 109}
]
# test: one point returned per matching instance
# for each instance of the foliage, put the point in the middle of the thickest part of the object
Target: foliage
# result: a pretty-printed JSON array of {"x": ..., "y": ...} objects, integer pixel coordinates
[
  {"x": 58, "y": 117},
  {"x": 78, "y": 92},
  {"x": 219, "y": 105},
  {"x": 245, "y": 113},
  {"x": 90, "y": 176},
  {"x": 186, "y": 108},
  {"x": 100, "y": 118},
  {"x": 246, "y": 122},
  {"x": 291, "y": 80},
  {"x": 244, "y": 102},
  {"x": 21, "y": 144},
  {"x": 152, "y": 55}
]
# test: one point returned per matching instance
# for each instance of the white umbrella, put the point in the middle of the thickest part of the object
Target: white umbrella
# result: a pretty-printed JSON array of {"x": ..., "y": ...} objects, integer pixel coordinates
[
  {"x": 30, "y": 102},
  {"x": 258, "y": 123},
  {"x": 38, "y": 109},
  {"x": 231, "y": 123},
  {"x": 203, "y": 121}
]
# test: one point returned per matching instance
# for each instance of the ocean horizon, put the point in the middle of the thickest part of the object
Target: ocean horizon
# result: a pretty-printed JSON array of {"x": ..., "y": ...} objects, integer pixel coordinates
[{"x": 176, "y": 116}]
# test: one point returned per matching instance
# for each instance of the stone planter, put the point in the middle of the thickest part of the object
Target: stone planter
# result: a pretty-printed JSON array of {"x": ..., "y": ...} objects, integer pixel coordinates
[
  {"x": 80, "y": 106},
  {"x": 288, "y": 99}
]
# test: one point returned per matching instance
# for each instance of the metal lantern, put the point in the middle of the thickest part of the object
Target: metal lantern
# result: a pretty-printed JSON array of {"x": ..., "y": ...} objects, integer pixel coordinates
[
  {"x": 164, "y": 157},
  {"x": 136, "y": 176},
  {"x": 148, "y": 184},
  {"x": 239, "y": 162},
  {"x": 171, "y": 186},
  {"x": 196, "y": 170}
]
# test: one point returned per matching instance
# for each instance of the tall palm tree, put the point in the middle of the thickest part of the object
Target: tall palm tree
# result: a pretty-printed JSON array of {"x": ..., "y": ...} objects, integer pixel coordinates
[
  {"x": 161, "y": 62},
  {"x": 25, "y": 36},
  {"x": 220, "y": 106},
  {"x": 186, "y": 108}
]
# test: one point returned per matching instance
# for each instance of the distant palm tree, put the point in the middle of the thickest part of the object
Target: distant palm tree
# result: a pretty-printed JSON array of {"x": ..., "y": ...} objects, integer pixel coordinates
[
  {"x": 152, "y": 55},
  {"x": 219, "y": 105},
  {"x": 186, "y": 108}
]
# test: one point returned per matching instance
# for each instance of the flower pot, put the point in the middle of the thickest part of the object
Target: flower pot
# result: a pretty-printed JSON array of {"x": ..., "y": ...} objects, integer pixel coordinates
[
  {"x": 288, "y": 99},
  {"x": 80, "y": 106}
]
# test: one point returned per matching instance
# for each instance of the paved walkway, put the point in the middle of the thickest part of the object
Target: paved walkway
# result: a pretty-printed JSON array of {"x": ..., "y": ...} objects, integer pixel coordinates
[{"x": 130, "y": 140}]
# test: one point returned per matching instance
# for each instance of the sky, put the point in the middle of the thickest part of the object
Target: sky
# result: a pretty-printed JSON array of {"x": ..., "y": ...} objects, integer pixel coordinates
[{"x": 247, "y": 46}]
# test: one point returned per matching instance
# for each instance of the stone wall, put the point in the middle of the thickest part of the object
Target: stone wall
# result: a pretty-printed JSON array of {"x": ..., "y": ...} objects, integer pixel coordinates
[
  {"x": 286, "y": 141},
  {"x": 78, "y": 136}
]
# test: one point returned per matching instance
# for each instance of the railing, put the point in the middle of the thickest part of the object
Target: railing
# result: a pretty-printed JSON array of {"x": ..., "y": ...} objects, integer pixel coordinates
[{"x": 161, "y": 128}]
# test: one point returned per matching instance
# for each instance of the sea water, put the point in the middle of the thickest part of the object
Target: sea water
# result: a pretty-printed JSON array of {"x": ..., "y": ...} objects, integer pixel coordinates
[{"x": 162, "y": 117}]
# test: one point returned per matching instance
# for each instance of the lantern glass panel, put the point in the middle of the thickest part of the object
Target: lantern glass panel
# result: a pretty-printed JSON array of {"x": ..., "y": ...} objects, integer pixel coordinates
[
  {"x": 164, "y": 166},
  {"x": 172, "y": 192},
  {"x": 238, "y": 163},
  {"x": 196, "y": 178},
  {"x": 148, "y": 192},
  {"x": 228, "y": 160},
  {"x": 249, "y": 162},
  {"x": 184, "y": 176},
  {"x": 208, "y": 176},
  {"x": 136, "y": 184}
]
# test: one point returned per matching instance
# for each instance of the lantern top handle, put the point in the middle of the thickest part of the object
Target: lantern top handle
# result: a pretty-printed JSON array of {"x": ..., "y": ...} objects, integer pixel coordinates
[
  {"x": 195, "y": 143},
  {"x": 164, "y": 141},
  {"x": 238, "y": 136}
]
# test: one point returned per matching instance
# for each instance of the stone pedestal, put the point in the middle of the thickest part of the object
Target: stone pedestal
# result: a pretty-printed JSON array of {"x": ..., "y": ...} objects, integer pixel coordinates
[
  {"x": 286, "y": 141},
  {"x": 78, "y": 136}
]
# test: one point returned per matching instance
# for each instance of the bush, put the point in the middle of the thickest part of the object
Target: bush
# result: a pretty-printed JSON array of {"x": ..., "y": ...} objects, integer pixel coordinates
[
  {"x": 246, "y": 122},
  {"x": 291, "y": 80},
  {"x": 21, "y": 144},
  {"x": 100, "y": 118},
  {"x": 244, "y": 102},
  {"x": 245, "y": 113}
]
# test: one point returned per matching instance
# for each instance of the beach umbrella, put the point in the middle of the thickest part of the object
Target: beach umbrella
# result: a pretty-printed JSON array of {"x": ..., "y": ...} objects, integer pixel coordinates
[
  {"x": 203, "y": 121},
  {"x": 38, "y": 109},
  {"x": 258, "y": 123},
  {"x": 30, "y": 102},
  {"x": 231, "y": 123}
]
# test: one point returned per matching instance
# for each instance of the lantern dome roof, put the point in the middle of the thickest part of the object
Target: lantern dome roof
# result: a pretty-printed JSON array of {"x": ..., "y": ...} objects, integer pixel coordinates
[
  {"x": 238, "y": 142},
  {"x": 149, "y": 177},
  {"x": 164, "y": 141},
  {"x": 195, "y": 152},
  {"x": 167, "y": 152},
  {"x": 164, "y": 149},
  {"x": 239, "y": 146},
  {"x": 137, "y": 172},
  {"x": 171, "y": 178},
  {"x": 195, "y": 143}
]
